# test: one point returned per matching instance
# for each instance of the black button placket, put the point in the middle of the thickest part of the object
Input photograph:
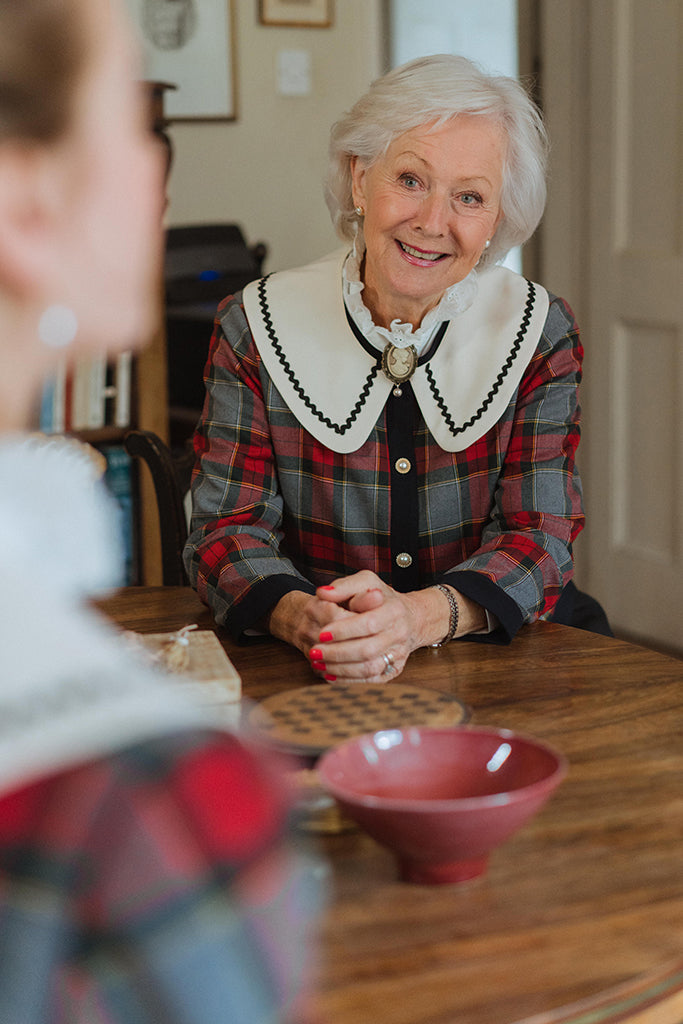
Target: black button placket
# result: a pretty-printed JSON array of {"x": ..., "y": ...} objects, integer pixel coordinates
[
  {"x": 403, "y": 499},
  {"x": 400, "y": 412}
]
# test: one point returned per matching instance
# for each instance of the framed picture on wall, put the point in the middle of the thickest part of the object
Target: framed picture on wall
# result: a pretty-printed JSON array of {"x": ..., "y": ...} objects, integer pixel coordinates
[
  {"x": 190, "y": 44},
  {"x": 303, "y": 13}
]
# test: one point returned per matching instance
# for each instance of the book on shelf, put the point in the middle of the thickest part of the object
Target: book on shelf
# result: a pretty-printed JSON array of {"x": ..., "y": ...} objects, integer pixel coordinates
[
  {"x": 88, "y": 403},
  {"x": 52, "y": 416},
  {"x": 118, "y": 478},
  {"x": 94, "y": 393},
  {"x": 123, "y": 373}
]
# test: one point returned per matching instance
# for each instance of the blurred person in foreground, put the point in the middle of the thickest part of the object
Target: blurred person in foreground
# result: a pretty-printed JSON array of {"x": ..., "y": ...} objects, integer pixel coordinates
[
  {"x": 146, "y": 873},
  {"x": 386, "y": 455}
]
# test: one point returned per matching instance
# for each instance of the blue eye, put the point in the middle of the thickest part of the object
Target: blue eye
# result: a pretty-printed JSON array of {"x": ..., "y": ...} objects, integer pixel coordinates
[
  {"x": 470, "y": 198},
  {"x": 410, "y": 180}
]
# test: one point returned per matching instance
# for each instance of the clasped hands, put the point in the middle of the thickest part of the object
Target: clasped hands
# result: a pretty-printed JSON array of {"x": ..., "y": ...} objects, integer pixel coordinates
[{"x": 358, "y": 629}]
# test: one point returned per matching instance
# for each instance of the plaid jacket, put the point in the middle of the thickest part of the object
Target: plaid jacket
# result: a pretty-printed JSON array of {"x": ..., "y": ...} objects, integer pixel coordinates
[
  {"x": 152, "y": 886},
  {"x": 275, "y": 510}
]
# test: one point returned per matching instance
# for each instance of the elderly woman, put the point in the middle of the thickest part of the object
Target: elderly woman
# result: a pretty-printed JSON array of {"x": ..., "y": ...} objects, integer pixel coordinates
[
  {"x": 386, "y": 453},
  {"x": 146, "y": 873}
]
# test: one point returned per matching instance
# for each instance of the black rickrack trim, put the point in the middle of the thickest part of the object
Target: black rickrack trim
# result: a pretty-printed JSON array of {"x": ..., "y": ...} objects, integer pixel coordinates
[
  {"x": 497, "y": 384},
  {"x": 339, "y": 428}
]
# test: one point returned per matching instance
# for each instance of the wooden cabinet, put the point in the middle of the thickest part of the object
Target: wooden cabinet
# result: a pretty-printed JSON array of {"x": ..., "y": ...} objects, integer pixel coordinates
[
  {"x": 148, "y": 402},
  {"x": 150, "y": 397},
  {"x": 131, "y": 482},
  {"x": 151, "y": 384}
]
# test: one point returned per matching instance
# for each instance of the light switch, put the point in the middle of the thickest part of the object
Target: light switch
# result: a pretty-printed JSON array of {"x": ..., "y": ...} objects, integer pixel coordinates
[{"x": 294, "y": 73}]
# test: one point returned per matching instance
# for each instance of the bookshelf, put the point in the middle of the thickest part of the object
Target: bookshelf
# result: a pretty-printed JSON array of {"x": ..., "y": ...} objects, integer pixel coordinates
[
  {"x": 149, "y": 387},
  {"x": 150, "y": 397},
  {"x": 99, "y": 401},
  {"x": 150, "y": 379}
]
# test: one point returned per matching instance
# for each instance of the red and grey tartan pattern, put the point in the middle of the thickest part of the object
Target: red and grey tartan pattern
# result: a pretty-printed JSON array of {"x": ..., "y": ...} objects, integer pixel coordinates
[
  {"x": 153, "y": 885},
  {"x": 273, "y": 505}
]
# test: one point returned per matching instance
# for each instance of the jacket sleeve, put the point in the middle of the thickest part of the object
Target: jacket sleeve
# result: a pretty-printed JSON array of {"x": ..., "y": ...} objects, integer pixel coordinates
[
  {"x": 233, "y": 556},
  {"x": 525, "y": 557}
]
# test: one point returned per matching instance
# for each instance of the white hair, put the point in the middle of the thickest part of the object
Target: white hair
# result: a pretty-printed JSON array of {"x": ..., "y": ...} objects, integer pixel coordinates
[{"x": 431, "y": 91}]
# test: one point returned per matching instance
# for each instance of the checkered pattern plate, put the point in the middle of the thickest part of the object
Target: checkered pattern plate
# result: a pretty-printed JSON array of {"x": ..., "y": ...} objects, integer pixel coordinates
[{"x": 313, "y": 718}]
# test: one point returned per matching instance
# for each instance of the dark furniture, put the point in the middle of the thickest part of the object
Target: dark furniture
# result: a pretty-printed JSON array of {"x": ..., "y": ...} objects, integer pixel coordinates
[
  {"x": 171, "y": 478},
  {"x": 203, "y": 264}
]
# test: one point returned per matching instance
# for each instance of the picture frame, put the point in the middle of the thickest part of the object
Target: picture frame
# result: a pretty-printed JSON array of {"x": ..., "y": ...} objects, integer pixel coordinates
[
  {"x": 296, "y": 13},
  {"x": 190, "y": 44}
]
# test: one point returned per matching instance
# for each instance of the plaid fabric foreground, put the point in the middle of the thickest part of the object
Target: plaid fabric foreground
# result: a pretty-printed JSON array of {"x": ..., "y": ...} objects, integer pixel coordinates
[
  {"x": 153, "y": 886},
  {"x": 276, "y": 510}
]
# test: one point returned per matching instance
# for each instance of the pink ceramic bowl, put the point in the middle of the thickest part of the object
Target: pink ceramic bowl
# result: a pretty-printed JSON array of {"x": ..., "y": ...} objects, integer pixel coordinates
[{"x": 441, "y": 799}]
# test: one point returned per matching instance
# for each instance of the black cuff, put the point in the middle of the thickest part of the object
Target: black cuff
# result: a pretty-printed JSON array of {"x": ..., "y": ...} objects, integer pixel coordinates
[
  {"x": 259, "y": 600},
  {"x": 580, "y": 610},
  {"x": 489, "y": 595}
]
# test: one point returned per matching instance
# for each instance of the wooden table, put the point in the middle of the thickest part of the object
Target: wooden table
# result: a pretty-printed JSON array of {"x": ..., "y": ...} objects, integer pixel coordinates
[{"x": 580, "y": 916}]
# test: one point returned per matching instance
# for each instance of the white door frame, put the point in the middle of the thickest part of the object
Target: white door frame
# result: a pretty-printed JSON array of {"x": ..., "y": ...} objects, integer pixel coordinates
[
  {"x": 625, "y": 288},
  {"x": 563, "y": 237}
]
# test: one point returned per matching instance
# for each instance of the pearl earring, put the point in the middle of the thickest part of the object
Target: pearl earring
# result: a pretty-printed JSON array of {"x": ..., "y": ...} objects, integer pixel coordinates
[
  {"x": 58, "y": 326},
  {"x": 360, "y": 211},
  {"x": 487, "y": 243}
]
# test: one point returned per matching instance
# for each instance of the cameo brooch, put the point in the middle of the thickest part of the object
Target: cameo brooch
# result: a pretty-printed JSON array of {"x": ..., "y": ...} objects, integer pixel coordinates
[{"x": 398, "y": 365}]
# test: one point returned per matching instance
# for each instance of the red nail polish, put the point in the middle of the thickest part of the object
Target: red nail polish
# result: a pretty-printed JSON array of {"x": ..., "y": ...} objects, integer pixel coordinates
[
  {"x": 330, "y": 679},
  {"x": 325, "y": 638},
  {"x": 315, "y": 655},
  {"x": 319, "y": 666},
  {"x": 328, "y": 586}
]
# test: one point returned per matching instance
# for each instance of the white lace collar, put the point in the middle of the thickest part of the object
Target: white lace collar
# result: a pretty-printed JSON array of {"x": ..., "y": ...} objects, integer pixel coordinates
[
  {"x": 56, "y": 519},
  {"x": 454, "y": 301},
  {"x": 70, "y": 688}
]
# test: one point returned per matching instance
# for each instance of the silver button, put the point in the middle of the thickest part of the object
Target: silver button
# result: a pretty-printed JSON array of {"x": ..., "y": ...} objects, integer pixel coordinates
[
  {"x": 403, "y": 466},
  {"x": 404, "y": 560}
]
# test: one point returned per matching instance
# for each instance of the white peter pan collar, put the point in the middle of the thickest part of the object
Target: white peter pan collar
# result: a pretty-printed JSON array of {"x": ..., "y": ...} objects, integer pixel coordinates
[{"x": 336, "y": 388}]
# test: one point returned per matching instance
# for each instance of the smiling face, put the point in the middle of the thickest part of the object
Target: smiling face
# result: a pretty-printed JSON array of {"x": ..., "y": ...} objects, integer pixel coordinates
[{"x": 431, "y": 202}]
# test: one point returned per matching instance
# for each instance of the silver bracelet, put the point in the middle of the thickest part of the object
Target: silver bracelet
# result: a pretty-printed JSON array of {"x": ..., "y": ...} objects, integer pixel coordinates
[{"x": 454, "y": 614}]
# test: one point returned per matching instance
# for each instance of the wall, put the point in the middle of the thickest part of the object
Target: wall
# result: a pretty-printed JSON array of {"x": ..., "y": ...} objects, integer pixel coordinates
[{"x": 265, "y": 170}]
